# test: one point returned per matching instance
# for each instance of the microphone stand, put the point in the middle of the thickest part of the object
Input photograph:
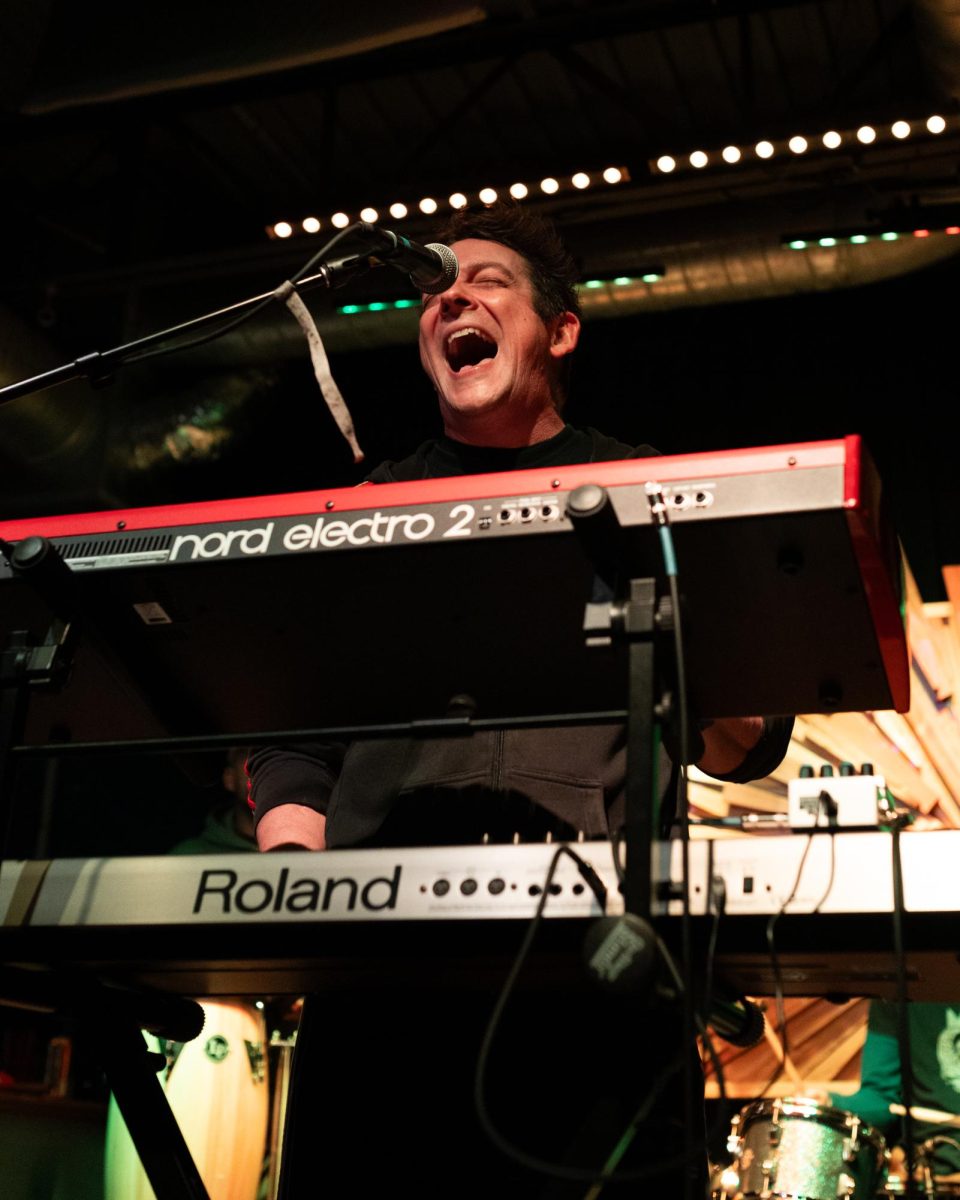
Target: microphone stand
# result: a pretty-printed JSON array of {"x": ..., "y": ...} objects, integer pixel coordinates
[
  {"x": 23, "y": 666},
  {"x": 99, "y": 366}
]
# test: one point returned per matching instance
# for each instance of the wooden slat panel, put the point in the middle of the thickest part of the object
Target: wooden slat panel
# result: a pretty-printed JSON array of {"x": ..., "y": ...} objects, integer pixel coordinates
[
  {"x": 941, "y": 621},
  {"x": 837, "y": 1041},
  {"x": 951, "y": 633},
  {"x": 918, "y": 753},
  {"x": 924, "y": 639},
  {"x": 824, "y": 1044},
  {"x": 938, "y": 730},
  {"x": 709, "y": 801},
  {"x": 846, "y": 1050},
  {"x": 916, "y": 784},
  {"x": 805, "y": 1031},
  {"x": 743, "y": 797}
]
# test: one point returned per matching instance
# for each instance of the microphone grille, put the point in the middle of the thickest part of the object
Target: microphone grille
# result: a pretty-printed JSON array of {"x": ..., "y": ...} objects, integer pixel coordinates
[{"x": 449, "y": 270}]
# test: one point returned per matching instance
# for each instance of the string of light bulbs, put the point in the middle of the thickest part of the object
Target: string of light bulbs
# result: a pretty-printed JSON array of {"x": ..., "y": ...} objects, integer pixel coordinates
[
  {"x": 430, "y": 205},
  {"x": 832, "y": 139}
]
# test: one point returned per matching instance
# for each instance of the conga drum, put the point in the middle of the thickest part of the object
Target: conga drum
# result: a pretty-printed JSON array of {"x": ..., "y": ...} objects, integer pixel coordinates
[{"x": 217, "y": 1089}]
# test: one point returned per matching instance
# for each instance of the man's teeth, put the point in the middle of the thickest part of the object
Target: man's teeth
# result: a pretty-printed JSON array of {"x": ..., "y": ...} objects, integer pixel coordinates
[
  {"x": 459, "y": 333},
  {"x": 469, "y": 347}
]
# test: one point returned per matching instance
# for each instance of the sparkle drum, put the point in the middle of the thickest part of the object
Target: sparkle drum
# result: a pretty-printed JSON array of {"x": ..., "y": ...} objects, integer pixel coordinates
[
  {"x": 796, "y": 1149},
  {"x": 216, "y": 1086}
]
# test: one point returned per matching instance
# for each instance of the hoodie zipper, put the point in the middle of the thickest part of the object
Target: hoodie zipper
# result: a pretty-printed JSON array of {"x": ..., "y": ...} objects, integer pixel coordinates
[{"x": 498, "y": 740}]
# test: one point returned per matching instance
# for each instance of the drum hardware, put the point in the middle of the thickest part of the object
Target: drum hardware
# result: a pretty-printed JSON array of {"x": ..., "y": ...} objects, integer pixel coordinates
[
  {"x": 926, "y": 1185},
  {"x": 284, "y": 1047},
  {"x": 257, "y": 1060},
  {"x": 932, "y": 1189}
]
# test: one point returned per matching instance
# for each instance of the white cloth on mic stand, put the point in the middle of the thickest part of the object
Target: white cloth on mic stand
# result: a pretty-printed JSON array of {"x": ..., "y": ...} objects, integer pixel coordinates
[{"x": 289, "y": 295}]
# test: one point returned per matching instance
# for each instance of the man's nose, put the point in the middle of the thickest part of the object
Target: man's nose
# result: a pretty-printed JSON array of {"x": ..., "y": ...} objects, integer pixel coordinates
[{"x": 454, "y": 299}]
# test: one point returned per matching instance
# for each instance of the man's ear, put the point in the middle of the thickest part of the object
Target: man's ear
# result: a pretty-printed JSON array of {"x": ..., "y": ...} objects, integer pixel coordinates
[{"x": 565, "y": 335}]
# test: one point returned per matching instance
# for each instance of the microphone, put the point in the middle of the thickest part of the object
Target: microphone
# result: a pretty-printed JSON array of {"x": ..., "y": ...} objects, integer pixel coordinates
[
  {"x": 431, "y": 269},
  {"x": 739, "y": 1022}
]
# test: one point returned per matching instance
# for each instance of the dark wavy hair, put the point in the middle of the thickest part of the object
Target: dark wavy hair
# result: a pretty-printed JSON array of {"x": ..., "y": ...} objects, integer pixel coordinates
[{"x": 553, "y": 272}]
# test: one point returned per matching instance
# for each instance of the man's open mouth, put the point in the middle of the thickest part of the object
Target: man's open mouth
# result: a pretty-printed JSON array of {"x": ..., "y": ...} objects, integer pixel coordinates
[{"x": 467, "y": 348}]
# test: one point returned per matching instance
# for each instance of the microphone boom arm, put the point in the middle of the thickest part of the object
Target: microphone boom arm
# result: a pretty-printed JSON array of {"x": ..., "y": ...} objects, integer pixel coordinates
[{"x": 99, "y": 366}]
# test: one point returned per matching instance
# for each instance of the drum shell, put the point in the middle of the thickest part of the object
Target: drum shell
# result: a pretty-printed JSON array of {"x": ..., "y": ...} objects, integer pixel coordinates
[{"x": 797, "y": 1148}]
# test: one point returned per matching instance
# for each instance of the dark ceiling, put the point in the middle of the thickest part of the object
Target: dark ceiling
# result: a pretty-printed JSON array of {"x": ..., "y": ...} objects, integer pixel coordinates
[
  {"x": 147, "y": 150},
  {"x": 175, "y": 131}
]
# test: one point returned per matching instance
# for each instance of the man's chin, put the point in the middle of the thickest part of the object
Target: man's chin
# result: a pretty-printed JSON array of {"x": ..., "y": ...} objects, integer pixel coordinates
[{"x": 466, "y": 400}]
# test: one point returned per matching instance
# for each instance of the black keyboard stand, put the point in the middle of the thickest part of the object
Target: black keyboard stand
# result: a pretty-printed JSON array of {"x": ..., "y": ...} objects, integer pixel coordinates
[{"x": 113, "y": 1019}]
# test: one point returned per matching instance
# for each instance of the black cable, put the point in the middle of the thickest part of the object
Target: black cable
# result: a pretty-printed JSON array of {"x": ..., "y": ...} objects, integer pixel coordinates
[
  {"x": 686, "y": 925},
  {"x": 775, "y": 959},
  {"x": 719, "y": 1122},
  {"x": 903, "y": 1011},
  {"x": 658, "y": 509},
  {"x": 718, "y": 897},
  {"x": 692, "y": 1022},
  {"x": 718, "y": 901},
  {"x": 778, "y": 975},
  {"x": 530, "y": 1161},
  {"x": 833, "y": 870},
  {"x": 164, "y": 350},
  {"x": 642, "y": 1112},
  {"x": 714, "y": 1057},
  {"x": 608, "y": 1173},
  {"x": 616, "y": 847}
]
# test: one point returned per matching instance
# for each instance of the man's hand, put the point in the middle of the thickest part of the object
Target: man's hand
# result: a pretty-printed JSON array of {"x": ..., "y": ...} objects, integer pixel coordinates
[
  {"x": 726, "y": 743},
  {"x": 292, "y": 827}
]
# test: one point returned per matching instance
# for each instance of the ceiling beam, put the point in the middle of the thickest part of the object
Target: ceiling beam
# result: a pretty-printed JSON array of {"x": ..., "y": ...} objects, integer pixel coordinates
[{"x": 473, "y": 44}]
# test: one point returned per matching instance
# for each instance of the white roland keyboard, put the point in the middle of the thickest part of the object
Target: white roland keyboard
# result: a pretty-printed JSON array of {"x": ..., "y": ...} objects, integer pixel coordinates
[{"x": 242, "y": 922}]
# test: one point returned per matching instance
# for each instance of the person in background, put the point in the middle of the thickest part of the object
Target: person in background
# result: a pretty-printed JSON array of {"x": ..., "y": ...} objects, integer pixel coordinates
[
  {"x": 935, "y": 1055},
  {"x": 228, "y": 827}
]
